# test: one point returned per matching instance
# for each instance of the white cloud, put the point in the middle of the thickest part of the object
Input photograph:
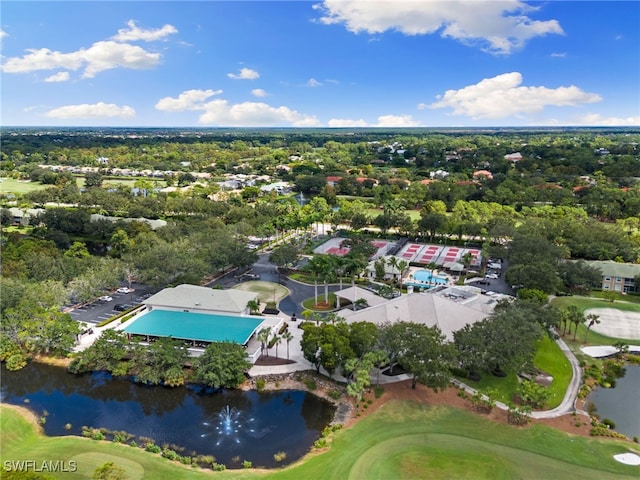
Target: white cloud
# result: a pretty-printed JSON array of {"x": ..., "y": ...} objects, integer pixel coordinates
[
  {"x": 188, "y": 100},
  {"x": 343, "y": 122},
  {"x": 3, "y": 34},
  {"x": 498, "y": 27},
  {"x": 247, "y": 114},
  {"x": 58, "y": 77},
  {"x": 96, "y": 110},
  {"x": 312, "y": 82},
  {"x": 258, "y": 92},
  {"x": 383, "y": 121},
  {"x": 133, "y": 33},
  {"x": 559, "y": 55},
  {"x": 595, "y": 119},
  {"x": 100, "y": 56},
  {"x": 245, "y": 74},
  {"x": 396, "y": 121},
  {"x": 502, "y": 96}
]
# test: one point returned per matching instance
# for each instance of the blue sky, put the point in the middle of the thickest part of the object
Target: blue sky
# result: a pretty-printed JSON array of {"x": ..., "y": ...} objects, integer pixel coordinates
[{"x": 337, "y": 63}]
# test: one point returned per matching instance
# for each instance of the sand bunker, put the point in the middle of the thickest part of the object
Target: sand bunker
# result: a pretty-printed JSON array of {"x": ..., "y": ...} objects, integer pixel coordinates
[
  {"x": 616, "y": 323},
  {"x": 628, "y": 458}
]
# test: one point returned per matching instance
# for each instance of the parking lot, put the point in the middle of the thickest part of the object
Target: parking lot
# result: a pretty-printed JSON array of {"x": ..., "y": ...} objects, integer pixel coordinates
[{"x": 97, "y": 311}]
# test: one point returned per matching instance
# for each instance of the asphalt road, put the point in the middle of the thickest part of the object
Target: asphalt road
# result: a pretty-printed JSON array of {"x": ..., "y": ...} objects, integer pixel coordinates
[{"x": 269, "y": 273}]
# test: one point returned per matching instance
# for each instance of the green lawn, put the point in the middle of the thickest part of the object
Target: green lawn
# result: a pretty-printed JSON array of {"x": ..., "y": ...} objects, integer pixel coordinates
[
  {"x": 11, "y": 185},
  {"x": 374, "y": 212},
  {"x": 401, "y": 440},
  {"x": 549, "y": 358}
]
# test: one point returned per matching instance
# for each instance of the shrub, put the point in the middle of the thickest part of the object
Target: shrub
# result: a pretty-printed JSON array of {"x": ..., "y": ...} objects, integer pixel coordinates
[
  {"x": 378, "y": 391},
  {"x": 610, "y": 423},
  {"x": 133, "y": 443},
  {"x": 153, "y": 448},
  {"x": 260, "y": 384},
  {"x": 218, "y": 467},
  {"x": 310, "y": 383},
  {"x": 67, "y": 426},
  {"x": 246, "y": 464},
  {"x": 97, "y": 435},
  {"x": 334, "y": 394},
  {"x": 320, "y": 443},
  {"x": 170, "y": 454},
  {"x": 280, "y": 456},
  {"x": 16, "y": 362}
]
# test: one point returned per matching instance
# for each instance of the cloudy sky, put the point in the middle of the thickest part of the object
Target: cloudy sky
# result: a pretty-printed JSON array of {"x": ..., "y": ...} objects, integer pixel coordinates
[{"x": 332, "y": 63}]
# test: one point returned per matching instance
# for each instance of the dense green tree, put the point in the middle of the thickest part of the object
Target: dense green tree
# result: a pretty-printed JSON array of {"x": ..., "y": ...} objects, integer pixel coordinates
[{"x": 222, "y": 365}]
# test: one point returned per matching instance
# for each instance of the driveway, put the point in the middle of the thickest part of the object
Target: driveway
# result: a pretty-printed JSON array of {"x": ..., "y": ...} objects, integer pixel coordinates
[{"x": 269, "y": 273}]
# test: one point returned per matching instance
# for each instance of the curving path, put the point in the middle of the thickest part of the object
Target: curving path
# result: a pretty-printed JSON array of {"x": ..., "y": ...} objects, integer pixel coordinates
[{"x": 568, "y": 402}]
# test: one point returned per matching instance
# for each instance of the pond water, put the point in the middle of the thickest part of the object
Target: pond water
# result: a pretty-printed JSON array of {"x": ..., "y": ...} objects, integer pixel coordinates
[
  {"x": 230, "y": 424},
  {"x": 620, "y": 403}
]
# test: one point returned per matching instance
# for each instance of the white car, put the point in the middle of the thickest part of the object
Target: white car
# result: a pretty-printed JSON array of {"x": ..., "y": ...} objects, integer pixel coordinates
[
  {"x": 124, "y": 290},
  {"x": 105, "y": 298},
  {"x": 492, "y": 276}
]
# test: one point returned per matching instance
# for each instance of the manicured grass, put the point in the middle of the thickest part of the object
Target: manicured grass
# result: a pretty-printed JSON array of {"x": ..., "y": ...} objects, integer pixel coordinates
[
  {"x": 585, "y": 303},
  {"x": 504, "y": 387},
  {"x": 11, "y": 185},
  {"x": 310, "y": 303},
  {"x": 401, "y": 440},
  {"x": 550, "y": 359},
  {"x": 406, "y": 440},
  {"x": 374, "y": 212},
  {"x": 267, "y": 291}
]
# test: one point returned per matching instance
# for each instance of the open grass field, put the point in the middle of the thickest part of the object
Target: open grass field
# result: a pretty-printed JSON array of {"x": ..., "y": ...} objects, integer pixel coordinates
[
  {"x": 11, "y": 185},
  {"x": 586, "y": 303},
  {"x": 402, "y": 440},
  {"x": 549, "y": 358},
  {"x": 374, "y": 212},
  {"x": 267, "y": 291}
]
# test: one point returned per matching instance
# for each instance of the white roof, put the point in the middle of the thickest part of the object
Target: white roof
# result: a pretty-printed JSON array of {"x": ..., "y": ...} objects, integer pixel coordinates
[
  {"x": 355, "y": 293},
  {"x": 195, "y": 297},
  {"x": 425, "y": 308}
]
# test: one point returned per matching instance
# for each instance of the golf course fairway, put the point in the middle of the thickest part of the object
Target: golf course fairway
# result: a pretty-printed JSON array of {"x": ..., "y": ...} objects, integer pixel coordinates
[{"x": 401, "y": 440}]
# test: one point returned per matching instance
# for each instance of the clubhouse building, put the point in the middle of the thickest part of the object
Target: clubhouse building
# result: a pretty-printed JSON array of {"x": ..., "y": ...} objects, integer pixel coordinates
[{"x": 200, "y": 316}]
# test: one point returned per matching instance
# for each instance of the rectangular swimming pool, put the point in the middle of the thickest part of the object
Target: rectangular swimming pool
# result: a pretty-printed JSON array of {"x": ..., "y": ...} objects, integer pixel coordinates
[{"x": 195, "y": 326}]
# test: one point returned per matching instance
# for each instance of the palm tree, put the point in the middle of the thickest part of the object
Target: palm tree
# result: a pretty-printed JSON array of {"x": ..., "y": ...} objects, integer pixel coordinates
[
  {"x": 431, "y": 266},
  {"x": 402, "y": 267},
  {"x": 316, "y": 266},
  {"x": 263, "y": 338},
  {"x": 253, "y": 306},
  {"x": 287, "y": 336},
  {"x": 574, "y": 316},
  {"x": 276, "y": 341},
  {"x": 393, "y": 263},
  {"x": 592, "y": 320}
]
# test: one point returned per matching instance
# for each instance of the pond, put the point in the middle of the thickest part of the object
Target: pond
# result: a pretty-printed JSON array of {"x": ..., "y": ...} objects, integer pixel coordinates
[
  {"x": 620, "y": 403},
  {"x": 230, "y": 425}
]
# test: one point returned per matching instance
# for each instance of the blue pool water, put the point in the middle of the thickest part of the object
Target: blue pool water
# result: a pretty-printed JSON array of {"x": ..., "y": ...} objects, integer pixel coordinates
[{"x": 426, "y": 277}]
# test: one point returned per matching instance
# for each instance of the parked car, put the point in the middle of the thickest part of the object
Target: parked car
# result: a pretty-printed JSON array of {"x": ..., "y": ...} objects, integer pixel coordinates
[
  {"x": 105, "y": 298},
  {"x": 124, "y": 290},
  {"x": 252, "y": 276},
  {"x": 120, "y": 307},
  {"x": 492, "y": 276}
]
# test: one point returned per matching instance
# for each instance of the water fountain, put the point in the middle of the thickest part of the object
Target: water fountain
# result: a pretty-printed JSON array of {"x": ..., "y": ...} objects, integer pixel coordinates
[{"x": 229, "y": 426}]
